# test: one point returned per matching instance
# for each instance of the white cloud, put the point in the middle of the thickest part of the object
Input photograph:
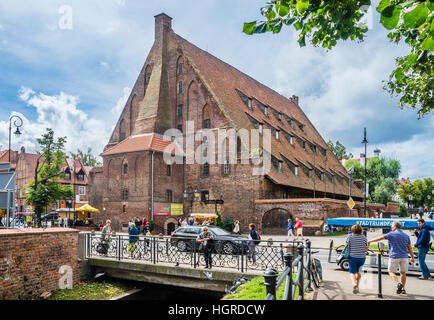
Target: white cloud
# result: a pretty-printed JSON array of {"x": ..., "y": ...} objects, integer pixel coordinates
[
  {"x": 414, "y": 154},
  {"x": 62, "y": 114}
]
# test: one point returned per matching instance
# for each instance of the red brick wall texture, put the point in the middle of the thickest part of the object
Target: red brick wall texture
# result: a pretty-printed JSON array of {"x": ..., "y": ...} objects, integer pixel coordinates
[{"x": 30, "y": 261}]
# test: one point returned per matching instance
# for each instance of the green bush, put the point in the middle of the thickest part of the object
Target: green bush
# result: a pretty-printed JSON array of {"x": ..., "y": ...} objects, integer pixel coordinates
[
  {"x": 403, "y": 211},
  {"x": 228, "y": 224}
]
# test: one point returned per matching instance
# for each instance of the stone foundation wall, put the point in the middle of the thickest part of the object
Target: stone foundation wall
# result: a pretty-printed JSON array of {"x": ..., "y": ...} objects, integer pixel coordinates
[
  {"x": 30, "y": 260},
  {"x": 312, "y": 212}
]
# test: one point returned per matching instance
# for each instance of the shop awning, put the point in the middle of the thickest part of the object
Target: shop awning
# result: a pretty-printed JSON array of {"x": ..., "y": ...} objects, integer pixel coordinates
[{"x": 86, "y": 208}]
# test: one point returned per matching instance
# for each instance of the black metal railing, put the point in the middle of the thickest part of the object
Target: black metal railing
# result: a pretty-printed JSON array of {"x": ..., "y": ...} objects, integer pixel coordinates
[
  {"x": 305, "y": 266},
  {"x": 233, "y": 254}
]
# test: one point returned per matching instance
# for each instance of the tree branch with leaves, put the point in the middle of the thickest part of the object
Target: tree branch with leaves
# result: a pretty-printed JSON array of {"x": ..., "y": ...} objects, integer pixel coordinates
[{"x": 325, "y": 22}]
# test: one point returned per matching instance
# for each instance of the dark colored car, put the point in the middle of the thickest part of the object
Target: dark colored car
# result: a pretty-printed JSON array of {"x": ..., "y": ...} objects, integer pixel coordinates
[
  {"x": 184, "y": 238},
  {"x": 50, "y": 216}
]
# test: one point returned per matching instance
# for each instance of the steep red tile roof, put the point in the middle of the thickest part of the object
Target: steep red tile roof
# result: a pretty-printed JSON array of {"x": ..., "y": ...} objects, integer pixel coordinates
[
  {"x": 227, "y": 85},
  {"x": 144, "y": 142}
]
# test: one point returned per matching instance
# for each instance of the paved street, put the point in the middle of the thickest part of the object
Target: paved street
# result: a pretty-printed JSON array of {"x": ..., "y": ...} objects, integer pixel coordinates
[{"x": 337, "y": 284}]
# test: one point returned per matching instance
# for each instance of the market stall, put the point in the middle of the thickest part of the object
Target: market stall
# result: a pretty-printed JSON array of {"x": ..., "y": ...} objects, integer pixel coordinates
[{"x": 201, "y": 217}]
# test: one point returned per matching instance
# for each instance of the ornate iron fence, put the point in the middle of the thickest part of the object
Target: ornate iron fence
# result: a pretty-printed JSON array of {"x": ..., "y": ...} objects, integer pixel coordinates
[
  {"x": 306, "y": 273},
  {"x": 234, "y": 254}
]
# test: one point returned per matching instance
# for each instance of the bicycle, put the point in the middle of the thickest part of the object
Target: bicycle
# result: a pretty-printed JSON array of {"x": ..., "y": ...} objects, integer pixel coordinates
[{"x": 315, "y": 270}]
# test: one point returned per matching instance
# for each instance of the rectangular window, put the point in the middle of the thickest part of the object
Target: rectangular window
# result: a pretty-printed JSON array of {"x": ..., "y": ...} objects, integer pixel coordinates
[
  {"x": 180, "y": 67},
  {"x": 180, "y": 106},
  {"x": 204, "y": 196},
  {"x": 291, "y": 140},
  {"x": 207, "y": 124},
  {"x": 296, "y": 171},
  {"x": 169, "y": 171},
  {"x": 67, "y": 175},
  {"x": 205, "y": 169},
  {"x": 279, "y": 166},
  {"x": 279, "y": 116},
  {"x": 261, "y": 127},
  {"x": 266, "y": 111},
  {"x": 169, "y": 196},
  {"x": 180, "y": 87},
  {"x": 226, "y": 167},
  {"x": 125, "y": 195},
  {"x": 180, "y": 127},
  {"x": 285, "y": 194},
  {"x": 82, "y": 190},
  {"x": 277, "y": 134},
  {"x": 80, "y": 177}
]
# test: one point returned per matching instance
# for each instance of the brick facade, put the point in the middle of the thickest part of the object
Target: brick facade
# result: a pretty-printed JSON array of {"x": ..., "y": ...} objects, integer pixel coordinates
[
  {"x": 30, "y": 260},
  {"x": 178, "y": 83}
]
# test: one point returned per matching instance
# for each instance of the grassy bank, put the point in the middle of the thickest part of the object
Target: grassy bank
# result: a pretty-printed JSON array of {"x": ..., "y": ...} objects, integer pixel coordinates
[
  {"x": 90, "y": 291},
  {"x": 253, "y": 290}
]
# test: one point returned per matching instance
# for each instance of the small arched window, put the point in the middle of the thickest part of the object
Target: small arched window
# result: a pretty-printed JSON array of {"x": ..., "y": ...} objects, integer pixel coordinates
[{"x": 125, "y": 168}]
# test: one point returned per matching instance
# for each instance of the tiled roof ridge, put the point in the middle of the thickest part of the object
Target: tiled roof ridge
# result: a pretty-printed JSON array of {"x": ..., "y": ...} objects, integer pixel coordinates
[
  {"x": 202, "y": 78},
  {"x": 232, "y": 67}
]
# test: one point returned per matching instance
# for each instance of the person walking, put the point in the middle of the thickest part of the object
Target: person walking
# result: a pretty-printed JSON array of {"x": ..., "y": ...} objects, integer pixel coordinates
[
  {"x": 236, "y": 227},
  {"x": 299, "y": 228},
  {"x": 133, "y": 233},
  {"x": 59, "y": 221},
  {"x": 138, "y": 223},
  {"x": 399, "y": 248},
  {"x": 184, "y": 223},
  {"x": 179, "y": 222},
  {"x": 206, "y": 239},
  {"x": 423, "y": 246},
  {"x": 65, "y": 222},
  {"x": 420, "y": 212},
  {"x": 290, "y": 230},
  {"x": 105, "y": 237},
  {"x": 358, "y": 245},
  {"x": 253, "y": 240}
]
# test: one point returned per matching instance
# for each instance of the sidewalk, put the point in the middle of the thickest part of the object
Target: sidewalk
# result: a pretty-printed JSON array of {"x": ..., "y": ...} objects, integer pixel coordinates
[{"x": 337, "y": 286}]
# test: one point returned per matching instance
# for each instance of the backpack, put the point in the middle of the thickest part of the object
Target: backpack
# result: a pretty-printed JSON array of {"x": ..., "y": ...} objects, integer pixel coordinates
[{"x": 256, "y": 242}]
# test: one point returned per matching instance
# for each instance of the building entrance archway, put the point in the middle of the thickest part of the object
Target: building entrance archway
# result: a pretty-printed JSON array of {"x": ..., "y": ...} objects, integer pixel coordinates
[{"x": 275, "y": 221}]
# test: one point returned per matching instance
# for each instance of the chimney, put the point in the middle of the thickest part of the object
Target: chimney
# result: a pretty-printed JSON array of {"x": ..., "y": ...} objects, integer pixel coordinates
[{"x": 163, "y": 23}]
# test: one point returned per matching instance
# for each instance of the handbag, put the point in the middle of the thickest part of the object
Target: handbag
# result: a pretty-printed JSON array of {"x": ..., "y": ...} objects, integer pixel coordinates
[{"x": 346, "y": 252}]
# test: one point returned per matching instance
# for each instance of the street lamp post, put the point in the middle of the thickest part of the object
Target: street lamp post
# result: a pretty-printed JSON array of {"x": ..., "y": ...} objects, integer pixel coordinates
[
  {"x": 350, "y": 172},
  {"x": 365, "y": 142},
  {"x": 18, "y": 123},
  {"x": 193, "y": 195}
]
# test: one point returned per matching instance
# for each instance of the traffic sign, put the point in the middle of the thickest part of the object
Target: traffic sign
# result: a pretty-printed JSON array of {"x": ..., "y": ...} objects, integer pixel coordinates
[{"x": 351, "y": 203}]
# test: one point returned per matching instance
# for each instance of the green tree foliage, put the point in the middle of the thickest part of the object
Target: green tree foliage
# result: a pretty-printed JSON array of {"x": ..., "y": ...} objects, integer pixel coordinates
[
  {"x": 421, "y": 192},
  {"x": 325, "y": 22},
  {"x": 339, "y": 150},
  {"x": 87, "y": 158},
  {"x": 403, "y": 212},
  {"x": 359, "y": 170},
  {"x": 381, "y": 175},
  {"x": 44, "y": 189},
  {"x": 383, "y": 191}
]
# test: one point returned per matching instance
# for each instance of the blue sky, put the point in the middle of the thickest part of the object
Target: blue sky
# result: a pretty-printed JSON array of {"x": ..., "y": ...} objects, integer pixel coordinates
[{"x": 77, "y": 80}]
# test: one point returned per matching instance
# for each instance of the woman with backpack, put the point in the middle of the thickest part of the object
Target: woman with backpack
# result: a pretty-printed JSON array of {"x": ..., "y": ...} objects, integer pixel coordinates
[{"x": 253, "y": 241}]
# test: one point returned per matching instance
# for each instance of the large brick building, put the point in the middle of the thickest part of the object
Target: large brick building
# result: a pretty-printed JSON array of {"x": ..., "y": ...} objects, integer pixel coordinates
[{"x": 179, "y": 83}]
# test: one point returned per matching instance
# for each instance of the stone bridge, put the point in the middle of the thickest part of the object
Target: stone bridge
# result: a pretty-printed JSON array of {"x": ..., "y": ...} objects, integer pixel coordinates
[{"x": 158, "y": 260}]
